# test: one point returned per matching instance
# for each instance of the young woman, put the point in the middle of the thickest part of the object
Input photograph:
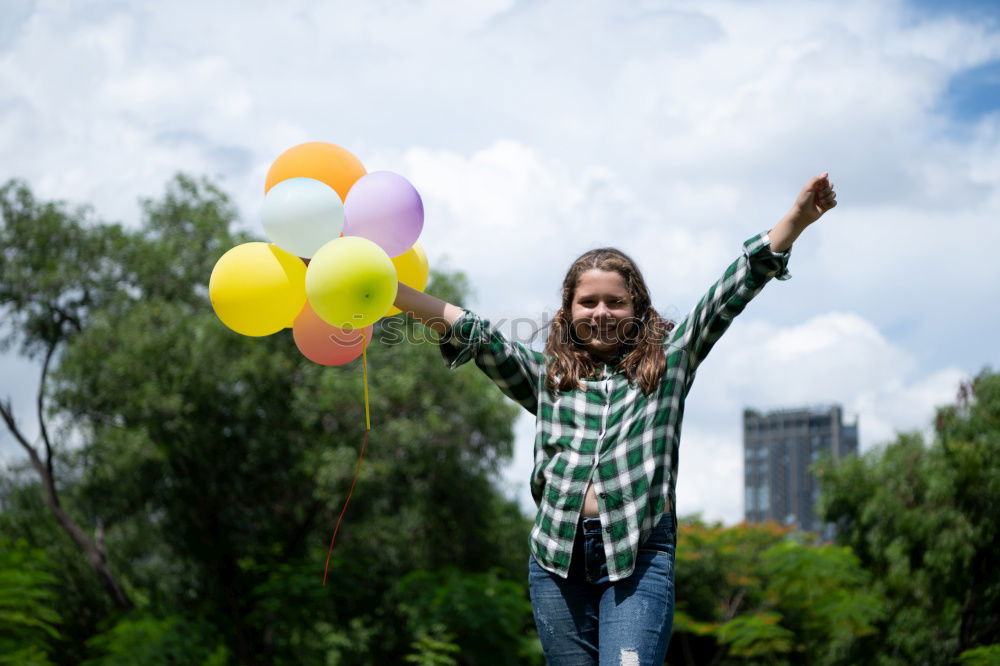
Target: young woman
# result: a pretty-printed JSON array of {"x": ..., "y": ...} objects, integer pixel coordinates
[{"x": 608, "y": 397}]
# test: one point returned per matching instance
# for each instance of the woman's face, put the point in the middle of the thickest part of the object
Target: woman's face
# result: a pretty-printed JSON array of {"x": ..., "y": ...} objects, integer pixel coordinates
[{"x": 601, "y": 311}]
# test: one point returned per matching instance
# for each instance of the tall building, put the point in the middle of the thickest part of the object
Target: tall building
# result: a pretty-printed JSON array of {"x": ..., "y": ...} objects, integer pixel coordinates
[{"x": 778, "y": 449}]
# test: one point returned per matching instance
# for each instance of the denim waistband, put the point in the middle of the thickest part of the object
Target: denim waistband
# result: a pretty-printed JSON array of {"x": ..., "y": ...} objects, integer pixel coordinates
[{"x": 593, "y": 525}]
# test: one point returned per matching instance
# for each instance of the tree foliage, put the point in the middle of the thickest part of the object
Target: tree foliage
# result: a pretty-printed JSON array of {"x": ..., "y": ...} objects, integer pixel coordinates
[
  {"x": 210, "y": 468},
  {"x": 144, "y": 639},
  {"x": 481, "y": 609},
  {"x": 28, "y": 616},
  {"x": 922, "y": 519},
  {"x": 758, "y": 594}
]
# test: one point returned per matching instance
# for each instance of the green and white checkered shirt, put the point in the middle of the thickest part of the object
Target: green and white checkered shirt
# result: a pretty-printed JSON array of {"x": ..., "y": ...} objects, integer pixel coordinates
[{"x": 609, "y": 433}]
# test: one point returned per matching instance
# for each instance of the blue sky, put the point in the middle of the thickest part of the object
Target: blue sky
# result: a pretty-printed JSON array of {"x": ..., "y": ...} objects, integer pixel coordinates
[
  {"x": 537, "y": 130},
  {"x": 973, "y": 94}
]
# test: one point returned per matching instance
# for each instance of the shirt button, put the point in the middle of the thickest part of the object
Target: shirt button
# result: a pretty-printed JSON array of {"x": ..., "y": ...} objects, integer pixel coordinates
[
  {"x": 608, "y": 529},
  {"x": 603, "y": 495}
]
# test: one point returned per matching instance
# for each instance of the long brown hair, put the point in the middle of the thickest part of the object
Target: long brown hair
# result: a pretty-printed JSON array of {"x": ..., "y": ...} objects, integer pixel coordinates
[{"x": 643, "y": 361}]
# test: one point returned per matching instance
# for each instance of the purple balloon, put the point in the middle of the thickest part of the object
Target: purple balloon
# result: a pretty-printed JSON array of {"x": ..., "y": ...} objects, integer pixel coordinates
[{"x": 384, "y": 207}]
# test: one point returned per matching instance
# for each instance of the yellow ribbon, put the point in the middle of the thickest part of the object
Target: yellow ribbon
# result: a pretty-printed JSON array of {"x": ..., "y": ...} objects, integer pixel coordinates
[{"x": 364, "y": 374}]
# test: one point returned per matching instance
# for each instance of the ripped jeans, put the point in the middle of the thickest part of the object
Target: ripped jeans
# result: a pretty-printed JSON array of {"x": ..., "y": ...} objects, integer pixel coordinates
[{"x": 586, "y": 620}]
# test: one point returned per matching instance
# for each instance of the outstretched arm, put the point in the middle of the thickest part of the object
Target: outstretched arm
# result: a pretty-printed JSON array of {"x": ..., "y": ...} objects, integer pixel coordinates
[
  {"x": 764, "y": 257},
  {"x": 816, "y": 198},
  {"x": 427, "y": 309},
  {"x": 515, "y": 369}
]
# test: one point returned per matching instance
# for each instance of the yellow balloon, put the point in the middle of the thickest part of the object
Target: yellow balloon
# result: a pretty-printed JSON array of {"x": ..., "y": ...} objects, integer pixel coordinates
[
  {"x": 413, "y": 271},
  {"x": 257, "y": 288},
  {"x": 351, "y": 282}
]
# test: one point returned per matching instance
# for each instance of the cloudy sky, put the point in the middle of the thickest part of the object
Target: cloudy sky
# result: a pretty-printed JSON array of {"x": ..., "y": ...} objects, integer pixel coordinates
[{"x": 537, "y": 130}]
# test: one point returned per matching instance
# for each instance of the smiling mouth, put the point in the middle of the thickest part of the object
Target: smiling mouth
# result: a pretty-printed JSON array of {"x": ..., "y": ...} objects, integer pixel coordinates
[{"x": 604, "y": 334}]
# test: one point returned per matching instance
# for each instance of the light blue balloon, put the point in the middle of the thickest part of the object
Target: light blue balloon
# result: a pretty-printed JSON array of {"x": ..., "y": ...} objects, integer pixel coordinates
[{"x": 300, "y": 215}]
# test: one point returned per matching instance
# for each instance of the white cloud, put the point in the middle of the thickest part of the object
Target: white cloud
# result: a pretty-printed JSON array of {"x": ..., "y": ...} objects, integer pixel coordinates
[
  {"x": 535, "y": 131},
  {"x": 515, "y": 221},
  {"x": 831, "y": 358}
]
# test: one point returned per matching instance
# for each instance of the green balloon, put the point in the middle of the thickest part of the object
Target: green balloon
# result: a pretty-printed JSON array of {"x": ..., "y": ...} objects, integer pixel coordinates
[{"x": 351, "y": 282}]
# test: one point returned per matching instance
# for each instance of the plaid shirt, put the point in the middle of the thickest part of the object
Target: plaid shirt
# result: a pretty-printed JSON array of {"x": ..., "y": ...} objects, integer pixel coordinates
[{"x": 609, "y": 433}]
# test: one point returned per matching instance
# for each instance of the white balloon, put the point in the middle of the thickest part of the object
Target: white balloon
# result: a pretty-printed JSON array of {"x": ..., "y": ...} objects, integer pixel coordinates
[{"x": 300, "y": 215}]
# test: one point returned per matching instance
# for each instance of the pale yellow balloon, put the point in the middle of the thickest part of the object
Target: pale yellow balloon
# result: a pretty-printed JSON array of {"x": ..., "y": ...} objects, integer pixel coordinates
[
  {"x": 413, "y": 271},
  {"x": 351, "y": 282},
  {"x": 257, "y": 288}
]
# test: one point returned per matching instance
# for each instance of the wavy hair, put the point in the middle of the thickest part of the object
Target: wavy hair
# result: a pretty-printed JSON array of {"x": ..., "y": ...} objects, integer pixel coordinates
[{"x": 643, "y": 360}]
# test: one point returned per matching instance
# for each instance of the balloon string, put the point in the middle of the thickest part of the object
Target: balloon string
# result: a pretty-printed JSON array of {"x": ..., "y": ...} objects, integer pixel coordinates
[
  {"x": 357, "y": 472},
  {"x": 364, "y": 374},
  {"x": 364, "y": 440}
]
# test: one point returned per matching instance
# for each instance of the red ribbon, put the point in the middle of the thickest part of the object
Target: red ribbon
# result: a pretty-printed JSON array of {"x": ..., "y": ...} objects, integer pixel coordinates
[{"x": 346, "y": 502}]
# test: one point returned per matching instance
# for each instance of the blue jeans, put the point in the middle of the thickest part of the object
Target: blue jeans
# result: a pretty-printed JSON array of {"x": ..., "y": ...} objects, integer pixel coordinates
[{"x": 588, "y": 620}]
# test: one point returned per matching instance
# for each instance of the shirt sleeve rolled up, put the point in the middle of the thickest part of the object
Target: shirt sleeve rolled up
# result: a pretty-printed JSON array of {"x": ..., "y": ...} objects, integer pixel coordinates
[
  {"x": 728, "y": 296},
  {"x": 515, "y": 369}
]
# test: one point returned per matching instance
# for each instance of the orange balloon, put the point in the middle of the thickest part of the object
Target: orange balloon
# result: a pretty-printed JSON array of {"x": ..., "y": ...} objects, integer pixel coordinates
[
  {"x": 324, "y": 344},
  {"x": 333, "y": 165}
]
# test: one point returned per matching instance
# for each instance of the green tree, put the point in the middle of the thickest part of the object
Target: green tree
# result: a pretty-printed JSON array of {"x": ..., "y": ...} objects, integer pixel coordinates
[
  {"x": 479, "y": 611},
  {"x": 153, "y": 641},
  {"x": 821, "y": 594},
  {"x": 758, "y": 594},
  {"x": 28, "y": 618},
  {"x": 988, "y": 655},
  {"x": 83, "y": 603},
  {"x": 208, "y": 469},
  {"x": 53, "y": 273},
  {"x": 922, "y": 519},
  {"x": 434, "y": 648}
]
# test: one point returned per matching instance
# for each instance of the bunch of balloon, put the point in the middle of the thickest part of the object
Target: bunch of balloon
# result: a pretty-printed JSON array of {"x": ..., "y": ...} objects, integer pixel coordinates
[{"x": 341, "y": 241}]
